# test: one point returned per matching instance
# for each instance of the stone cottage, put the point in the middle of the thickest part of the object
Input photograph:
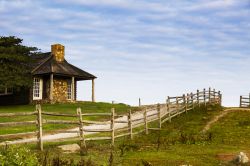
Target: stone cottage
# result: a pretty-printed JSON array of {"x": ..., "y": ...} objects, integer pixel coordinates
[{"x": 54, "y": 80}]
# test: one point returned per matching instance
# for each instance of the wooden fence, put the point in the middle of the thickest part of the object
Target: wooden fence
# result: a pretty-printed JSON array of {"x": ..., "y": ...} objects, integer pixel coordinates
[
  {"x": 245, "y": 101},
  {"x": 119, "y": 125}
]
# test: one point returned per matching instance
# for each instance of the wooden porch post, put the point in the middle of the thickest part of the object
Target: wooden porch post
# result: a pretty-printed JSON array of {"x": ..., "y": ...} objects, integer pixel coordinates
[
  {"x": 73, "y": 89},
  {"x": 51, "y": 87},
  {"x": 93, "y": 90}
]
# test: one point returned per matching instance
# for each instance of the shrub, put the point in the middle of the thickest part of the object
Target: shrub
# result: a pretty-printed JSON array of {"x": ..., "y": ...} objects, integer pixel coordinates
[
  {"x": 129, "y": 146},
  {"x": 54, "y": 158},
  {"x": 17, "y": 155}
]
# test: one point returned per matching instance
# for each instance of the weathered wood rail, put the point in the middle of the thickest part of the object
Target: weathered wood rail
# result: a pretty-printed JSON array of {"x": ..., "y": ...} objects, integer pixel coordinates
[
  {"x": 119, "y": 125},
  {"x": 245, "y": 101}
]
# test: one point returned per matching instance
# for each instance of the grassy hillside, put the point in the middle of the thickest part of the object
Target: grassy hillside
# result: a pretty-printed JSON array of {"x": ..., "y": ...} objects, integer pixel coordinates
[
  {"x": 69, "y": 108},
  {"x": 180, "y": 142},
  {"x": 183, "y": 143}
]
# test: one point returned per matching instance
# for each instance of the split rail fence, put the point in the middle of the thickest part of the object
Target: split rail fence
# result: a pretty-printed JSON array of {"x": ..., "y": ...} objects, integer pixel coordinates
[
  {"x": 118, "y": 125},
  {"x": 245, "y": 101}
]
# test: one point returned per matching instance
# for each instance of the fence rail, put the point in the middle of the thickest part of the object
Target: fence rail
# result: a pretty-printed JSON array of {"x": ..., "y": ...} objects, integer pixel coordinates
[
  {"x": 245, "y": 101},
  {"x": 124, "y": 125}
]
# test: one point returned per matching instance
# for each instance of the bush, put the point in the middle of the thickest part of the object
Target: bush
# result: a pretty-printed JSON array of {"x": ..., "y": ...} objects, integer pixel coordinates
[
  {"x": 54, "y": 158},
  {"x": 18, "y": 156},
  {"x": 129, "y": 146}
]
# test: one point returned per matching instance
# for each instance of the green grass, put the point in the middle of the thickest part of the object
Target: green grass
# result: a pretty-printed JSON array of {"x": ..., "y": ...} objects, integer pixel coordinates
[
  {"x": 179, "y": 142},
  {"x": 229, "y": 135},
  {"x": 69, "y": 108}
]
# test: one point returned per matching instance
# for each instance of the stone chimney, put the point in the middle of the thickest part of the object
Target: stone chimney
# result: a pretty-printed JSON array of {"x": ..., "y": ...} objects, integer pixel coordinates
[{"x": 58, "y": 52}]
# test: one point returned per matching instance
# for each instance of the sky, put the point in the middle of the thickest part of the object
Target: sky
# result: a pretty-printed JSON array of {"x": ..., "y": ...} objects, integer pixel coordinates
[{"x": 142, "y": 48}]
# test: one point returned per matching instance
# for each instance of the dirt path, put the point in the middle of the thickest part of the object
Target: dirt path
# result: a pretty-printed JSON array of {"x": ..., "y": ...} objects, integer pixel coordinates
[
  {"x": 58, "y": 136},
  {"x": 136, "y": 115},
  {"x": 224, "y": 113}
]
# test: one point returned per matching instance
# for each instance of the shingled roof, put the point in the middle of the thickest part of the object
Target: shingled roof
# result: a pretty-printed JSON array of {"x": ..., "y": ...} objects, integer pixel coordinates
[{"x": 46, "y": 64}]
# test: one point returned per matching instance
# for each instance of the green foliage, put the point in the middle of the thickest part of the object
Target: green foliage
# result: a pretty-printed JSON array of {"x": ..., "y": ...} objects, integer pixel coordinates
[
  {"x": 55, "y": 158},
  {"x": 15, "y": 63},
  {"x": 128, "y": 146},
  {"x": 58, "y": 161},
  {"x": 17, "y": 156},
  {"x": 111, "y": 159}
]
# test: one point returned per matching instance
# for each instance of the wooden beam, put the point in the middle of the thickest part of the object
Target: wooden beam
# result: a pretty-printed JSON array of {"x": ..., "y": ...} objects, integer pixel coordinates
[
  {"x": 209, "y": 95},
  {"x": 81, "y": 130},
  {"x": 93, "y": 90},
  {"x": 145, "y": 121},
  {"x": 130, "y": 124},
  {"x": 112, "y": 127},
  {"x": 159, "y": 114},
  {"x": 39, "y": 127},
  {"x": 51, "y": 87},
  {"x": 168, "y": 109},
  {"x": 73, "y": 89},
  {"x": 198, "y": 97},
  {"x": 249, "y": 100},
  {"x": 240, "y": 101}
]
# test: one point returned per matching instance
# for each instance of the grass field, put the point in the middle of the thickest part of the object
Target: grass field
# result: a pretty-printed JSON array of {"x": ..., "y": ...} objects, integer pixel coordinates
[
  {"x": 182, "y": 143},
  {"x": 179, "y": 142},
  {"x": 58, "y": 108}
]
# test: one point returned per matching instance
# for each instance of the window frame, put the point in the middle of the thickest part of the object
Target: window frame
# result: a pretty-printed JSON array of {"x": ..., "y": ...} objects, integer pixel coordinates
[
  {"x": 37, "y": 88},
  {"x": 69, "y": 90},
  {"x": 7, "y": 91}
]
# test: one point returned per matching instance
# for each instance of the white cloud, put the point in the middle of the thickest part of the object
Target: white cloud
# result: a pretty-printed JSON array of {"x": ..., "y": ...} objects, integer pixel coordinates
[
  {"x": 234, "y": 13},
  {"x": 215, "y": 4},
  {"x": 155, "y": 48}
]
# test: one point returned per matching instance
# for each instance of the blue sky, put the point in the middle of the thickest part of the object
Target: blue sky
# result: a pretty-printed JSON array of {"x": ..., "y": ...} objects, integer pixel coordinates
[{"x": 143, "y": 48}]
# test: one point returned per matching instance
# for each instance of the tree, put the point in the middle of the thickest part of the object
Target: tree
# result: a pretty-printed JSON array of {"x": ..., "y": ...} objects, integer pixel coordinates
[{"x": 15, "y": 63}]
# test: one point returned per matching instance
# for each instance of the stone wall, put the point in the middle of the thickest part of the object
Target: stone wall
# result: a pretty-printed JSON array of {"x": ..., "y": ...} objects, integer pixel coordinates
[{"x": 60, "y": 90}]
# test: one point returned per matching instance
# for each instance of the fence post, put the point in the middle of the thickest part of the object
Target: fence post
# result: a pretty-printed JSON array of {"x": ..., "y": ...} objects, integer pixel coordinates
[
  {"x": 248, "y": 105},
  {"x": 192, "y": 98},
  {"x": 209, "y": 94},
  {"x": 249, "y": 101},
  {"x": 139, "y": 102},
  {"x": 112, "y": 127},
  {"x": 177, "y": 105},
  {"x": 189, "y": 100},
  {"x": 159, "y": 114},
  {"x": 204, "y": 97},
  {"x": 214, "y": 95},
  {"x": 40, "y": 127},
  {"x": 82, "y": 139},
  {"x": 130, "y": 124},
  {"x": 220, "y": 97},
  {"x": 145, "y": 120},
  {"x": 168, "y": 109},
  {"x": 240, "y": 101},
  {"x": 184, "y": 102},
  {"x": 198, "y": 97}
]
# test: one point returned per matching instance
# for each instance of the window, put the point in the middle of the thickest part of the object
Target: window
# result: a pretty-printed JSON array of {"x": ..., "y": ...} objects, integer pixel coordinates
[
  {"x": 6, "y": 91},
  {"x": 69, "y": 90},
  {"x": 37, "y": 89}
]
